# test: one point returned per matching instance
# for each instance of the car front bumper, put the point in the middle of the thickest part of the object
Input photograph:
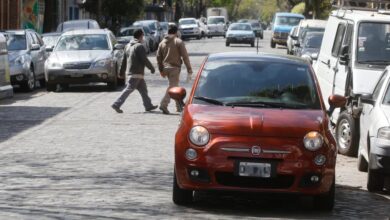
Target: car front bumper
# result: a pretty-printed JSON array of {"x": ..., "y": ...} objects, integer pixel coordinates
[
  {"x": 18, "y": 74},
  {"x": 292, "y": 166},
  {"x": 240, "y": 40},
  {"x": 216, "y": 33},
  {"x": 79, "y": 76},
  {"x": 380, "y": 155}
]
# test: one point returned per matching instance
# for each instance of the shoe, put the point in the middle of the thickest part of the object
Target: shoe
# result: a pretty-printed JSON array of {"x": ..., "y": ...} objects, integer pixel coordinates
[
  {"x": 117, "y": 109},
  {"x": 164, "y": 110},
  {"x": 153, "y": 107}
]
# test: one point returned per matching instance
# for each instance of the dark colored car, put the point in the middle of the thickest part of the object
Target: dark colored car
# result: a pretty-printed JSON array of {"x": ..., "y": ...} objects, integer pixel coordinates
[
  {"x": 311, "y": 46},
  {"x": 255, "y": 123}
]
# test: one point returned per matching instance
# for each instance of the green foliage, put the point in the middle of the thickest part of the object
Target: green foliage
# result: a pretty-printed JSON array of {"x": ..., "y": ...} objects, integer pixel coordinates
[
  {"x": 268, "y": 9},
  {"x": 299, "y": 8}
]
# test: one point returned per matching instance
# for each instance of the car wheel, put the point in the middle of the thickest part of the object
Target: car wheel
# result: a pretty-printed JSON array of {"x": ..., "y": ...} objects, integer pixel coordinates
[
  {"x": 227, "y": 44},
  {"x": 325, "y": 202},
  {"x": 199, "y": 37},
  {"x": 51, "y": 87},
  {"x": 362, "y": 163},
  {"x": 181, "y": 196},
  {"x": 253, "y": 44},
  {"x": 347, "y": 134},
  {"x": 42, "y": 83},
  {"x": 375, "y": 181},
  {"x": 273, "y": 44},
  {"x": 29, "y": 84}
]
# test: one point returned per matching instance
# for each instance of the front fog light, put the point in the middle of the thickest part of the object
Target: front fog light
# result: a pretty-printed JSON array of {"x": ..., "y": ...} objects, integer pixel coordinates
[
  {"x": 191, "y": 154},
  {"x": 320, "y": 160},
  {"x": 313, "y": 141},
  {"x": 314, "y": 179}
]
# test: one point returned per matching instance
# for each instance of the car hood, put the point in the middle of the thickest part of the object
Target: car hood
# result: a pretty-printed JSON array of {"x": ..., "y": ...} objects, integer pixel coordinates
[
  {"x": 239, "y": 32},
  {"x": 12, "y": 55},
  {"x": 257, "y": 122},
  {"x": 283, "y": 29},
  {"x": 80, "y": 56}
]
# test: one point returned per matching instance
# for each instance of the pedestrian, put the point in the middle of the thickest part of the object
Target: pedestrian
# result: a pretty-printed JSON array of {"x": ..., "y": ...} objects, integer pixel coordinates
[
  {"x": 170, "y": 54},
  {"x": 135, "y": 54}
]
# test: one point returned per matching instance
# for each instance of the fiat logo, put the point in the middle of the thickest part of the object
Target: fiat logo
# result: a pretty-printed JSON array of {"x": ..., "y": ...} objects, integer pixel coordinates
[{"x": 256, "y": 150}]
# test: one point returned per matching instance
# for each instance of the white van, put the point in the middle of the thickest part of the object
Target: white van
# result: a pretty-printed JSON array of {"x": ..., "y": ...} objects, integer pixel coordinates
[
  {"x": 6, "y": 90},
  {"x": 354, "y": 53},
  {"x": 216, "y": 26}
]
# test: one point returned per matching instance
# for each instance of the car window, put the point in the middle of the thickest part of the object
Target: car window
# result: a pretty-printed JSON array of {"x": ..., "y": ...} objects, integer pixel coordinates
[
  {"x": 313, "y": 41},
  {"x": 373, "y": 43},
  {"x": 338, "y": 40},
  {"x": 16, "y": 42},
  {"x": 39, "y": 39},
  {"x": 34, "y": 38},
  {"x": 240, "y": 27},
  {"x": 254, "y": 81},
  {"x": 386, "y": 100},
  {"x": 187, "y": 22},
  {"x": 83, "y": 42},
  {"x": 50, "y": 40},
  {"x": 287, "y": 21},
  {"x": 378, "y": 87}
]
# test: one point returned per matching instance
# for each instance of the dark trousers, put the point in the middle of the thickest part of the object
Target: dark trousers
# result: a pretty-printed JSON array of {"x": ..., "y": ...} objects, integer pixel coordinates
[{"x": 134, "y": 84}]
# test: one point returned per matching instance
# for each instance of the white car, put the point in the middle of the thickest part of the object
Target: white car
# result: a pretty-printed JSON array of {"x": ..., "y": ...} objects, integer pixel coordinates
[
  {"x": 374, "y": 146},
  {"x": 291, "y": 41},
  {"x": 203, "y": 28},
  {"x": 216, "y": 26},
  {"x": 189, "y": 28}
]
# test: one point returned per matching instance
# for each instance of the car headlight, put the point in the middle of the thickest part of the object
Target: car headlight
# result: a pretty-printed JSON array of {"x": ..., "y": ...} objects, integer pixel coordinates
[
  {"x": 384, "y": 133},
  {"x": 20, "y": 60},
  {"x": 199, "y": 135},
  {"x": 102, "y": 63},
  {"x": 54, "y": 64},
  {"x": 313, "y": 141}
]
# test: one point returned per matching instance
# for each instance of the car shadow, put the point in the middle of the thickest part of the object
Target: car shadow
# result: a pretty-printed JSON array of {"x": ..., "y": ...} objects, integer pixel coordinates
[
  {"x": 16, "y": 119},
  {"x": 88, "y": 88}
]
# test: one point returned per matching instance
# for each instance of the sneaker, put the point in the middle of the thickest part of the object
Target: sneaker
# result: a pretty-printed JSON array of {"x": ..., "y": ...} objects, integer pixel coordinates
[
  {"x": 164, "y": 110},
  {"x": 153, "y": 107},
  {"x": 117, "y": 109}
]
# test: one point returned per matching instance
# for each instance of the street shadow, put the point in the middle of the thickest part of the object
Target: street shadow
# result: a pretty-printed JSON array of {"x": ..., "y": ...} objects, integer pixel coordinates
[
  {"x": 20, "y": 95},
  {"x": 87, "y": 88},
  {"x": 16, "y": 119}
]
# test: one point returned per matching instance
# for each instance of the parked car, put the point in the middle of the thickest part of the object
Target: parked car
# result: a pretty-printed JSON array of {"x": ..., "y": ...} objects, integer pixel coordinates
[
  {"x": 240, "y": 33},
  {"x": 350, "y": 63},
  {"x": 304, "y": 27},
  {"x": 85, "y": 56},
  {"x": 255, "y": 123},
  {"x": 78, "y": 25},
  {"x": 189, "y": 28},
  {"x": 165, "y": 26},
  {"x": 50, "y": 40},
  {"x": 257, "y": 29},
  {"x": 6, "y": 90},
  {"x": 217, "y": 26},
  {"x": 282, "y": 24},
  {"x": 374, "y": 144},
  {"x": 125, "y": 36},
  {"x": 202, "y": 27},
  {"x": 157, "y": 31},
  {"x": 310, "y": 47},
  {"x": 27, "y": 56},
  {"x": 290, "y": 41}
]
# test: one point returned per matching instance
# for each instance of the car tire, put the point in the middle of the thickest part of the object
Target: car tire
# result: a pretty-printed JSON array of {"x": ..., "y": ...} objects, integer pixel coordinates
[
  {"x": 227, "y": 44},
  {"x": 362, "y": 164},
  {"x": 181, "y": 196},
  {"x": 273, "y": 44},
  {"x": 29, "y": 84},
  {"x": 375, "y": 181},
  {"x": 347, "y": 134},
  {"x": 325, "y": 202},
  {"x": 261, "y": 37},
  {"x": 42, "y": 82},
  {"x": 253, "y": 44},
  {"x": 51, "y": 87}
]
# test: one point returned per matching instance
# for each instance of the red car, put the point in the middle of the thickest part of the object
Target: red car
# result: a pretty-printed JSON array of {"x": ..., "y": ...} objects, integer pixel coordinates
[{"x": 255, "y": 123}]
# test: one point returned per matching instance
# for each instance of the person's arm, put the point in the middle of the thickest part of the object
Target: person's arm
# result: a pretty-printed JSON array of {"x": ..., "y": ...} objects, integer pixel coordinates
[
  {"x": 186, "y": 59},
  {"x": 160, "y": 58},
  {"x": 144, "y": 58}
]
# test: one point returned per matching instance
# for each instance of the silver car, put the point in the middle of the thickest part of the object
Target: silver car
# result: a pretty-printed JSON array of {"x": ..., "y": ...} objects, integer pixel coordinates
[
  {"x": 85, "y": 56},
  {"x": 125, "y": 36},
  {"x": 374, "y": 146},
  {"x": 156, "y": 30},
  {"x": 27, "y": 56}
]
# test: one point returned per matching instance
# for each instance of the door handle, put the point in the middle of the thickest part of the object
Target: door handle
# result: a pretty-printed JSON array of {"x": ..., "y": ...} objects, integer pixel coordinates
[{"x": 326, "y": 63}]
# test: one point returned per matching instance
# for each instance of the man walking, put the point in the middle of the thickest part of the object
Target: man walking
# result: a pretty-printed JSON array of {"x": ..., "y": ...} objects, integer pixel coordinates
[
  {"x": 170, "y": 53},
  {"x": 136, "y": 62}
]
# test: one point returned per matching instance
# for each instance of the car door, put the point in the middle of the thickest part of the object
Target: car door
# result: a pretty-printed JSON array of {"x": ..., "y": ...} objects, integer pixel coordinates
[
  {"x": 41, "y": 54},
  {"x": 117, "y": 55}
]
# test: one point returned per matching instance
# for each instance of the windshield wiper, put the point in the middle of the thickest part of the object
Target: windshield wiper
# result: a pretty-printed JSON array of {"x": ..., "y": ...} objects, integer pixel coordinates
[
  {"x": 265, "y": 105},
  {"x": 209, "y": 100}
]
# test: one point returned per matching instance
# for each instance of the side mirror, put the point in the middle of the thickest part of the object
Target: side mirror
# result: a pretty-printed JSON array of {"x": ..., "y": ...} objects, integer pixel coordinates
[
  {"x": 35, "y": 47},
  {"x": 337, "y": 101},
  {"x": 49, "y": 48},
  {"x": 119, "y": 47},
  {"x": 367, "y": 99},
  {"x": 178, "y": 94},
  {"x": 344, "y": 57},
  {"x": 294, "y": 37}
]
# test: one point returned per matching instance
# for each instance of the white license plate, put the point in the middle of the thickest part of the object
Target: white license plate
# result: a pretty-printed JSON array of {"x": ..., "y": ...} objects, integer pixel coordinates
[
  {"x": 254, "y": 169},
  {"x": 76, "y": 75}
]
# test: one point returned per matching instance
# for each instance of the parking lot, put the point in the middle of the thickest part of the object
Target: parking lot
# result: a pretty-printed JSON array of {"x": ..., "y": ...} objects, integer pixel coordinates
[{"x": 69, "y": 155}]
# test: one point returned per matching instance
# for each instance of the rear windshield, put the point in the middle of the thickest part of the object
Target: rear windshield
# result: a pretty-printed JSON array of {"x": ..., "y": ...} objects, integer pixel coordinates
[
  {"x": 16, "y": 42},
  {"x": 258, "y": 81}
]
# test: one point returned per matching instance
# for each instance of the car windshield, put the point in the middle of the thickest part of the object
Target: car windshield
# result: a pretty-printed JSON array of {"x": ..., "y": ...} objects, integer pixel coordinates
[
  {"x": 127, "y": 32},
  {"x": 287, "y": 21},
  {"x": 16, "y": 42},
  {"x": 83, "y": 42},
  {"x": 255, "y": 25},
  {"x": 274, "y": 83},
  {"x": 50, "y": 41},
  {"x": 374, "y": 43},
  {"x": 216, "y": 20},
  {"x": 240, "y": 27},
  {"x": 187, "y": 22},
  {"x": 313, "y": 41},
  {"x": 304, "y": 32}
]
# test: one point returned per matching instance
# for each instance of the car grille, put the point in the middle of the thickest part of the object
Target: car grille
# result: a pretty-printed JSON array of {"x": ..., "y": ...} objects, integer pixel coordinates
[
  {"x": 278, "y": 182},
  {"x": 284, "y": 35},
  {"x": 78, "y": 66},
  {"x": 187, "y": 29}
]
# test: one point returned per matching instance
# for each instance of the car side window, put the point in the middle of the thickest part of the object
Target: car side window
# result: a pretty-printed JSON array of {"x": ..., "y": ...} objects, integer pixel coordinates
[
  {"x": 338, "y": 40},
  {"x": 378, "y": 87},
  {"x": 113, "y": 39},
  {"x": 386, "y": 100},
  {"x": 32, "y": 38}
]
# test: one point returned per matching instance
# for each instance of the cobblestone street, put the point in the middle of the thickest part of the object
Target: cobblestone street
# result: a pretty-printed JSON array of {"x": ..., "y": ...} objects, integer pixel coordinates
[{"x": 68, "y": 155}]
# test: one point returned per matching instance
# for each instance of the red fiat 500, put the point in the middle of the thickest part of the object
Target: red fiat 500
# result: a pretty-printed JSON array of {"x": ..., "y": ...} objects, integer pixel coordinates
[{"x": 255, "y": 123}]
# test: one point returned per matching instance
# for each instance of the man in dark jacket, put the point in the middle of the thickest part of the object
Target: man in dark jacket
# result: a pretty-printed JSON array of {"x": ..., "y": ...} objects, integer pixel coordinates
[{"x": 136, "y": 62}]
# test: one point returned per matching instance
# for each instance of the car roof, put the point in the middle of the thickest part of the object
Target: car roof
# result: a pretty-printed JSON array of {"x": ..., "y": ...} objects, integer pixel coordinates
[
  {"x": 313, "y": 23},
  {"x": 51, "y": 34},
  {"x": 357, "y": 15},
  {"x": 269, "y": 57},
  {"x": 289, "y": 14},
  {"x": 86, "y": 31}
]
